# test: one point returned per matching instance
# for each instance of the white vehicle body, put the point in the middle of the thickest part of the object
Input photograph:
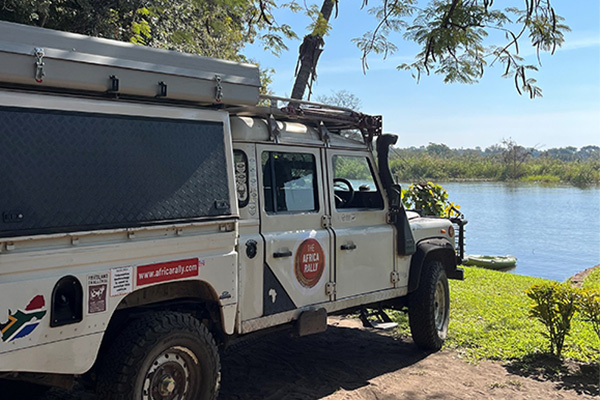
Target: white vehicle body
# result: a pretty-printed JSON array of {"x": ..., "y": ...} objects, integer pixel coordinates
[{"x": 117, "y": 208}]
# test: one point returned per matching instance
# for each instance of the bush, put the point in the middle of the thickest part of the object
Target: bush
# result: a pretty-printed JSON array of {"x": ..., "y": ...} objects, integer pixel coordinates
[
  {"x": 554, "y": 306},
  {"x": 593, "y": 279},
  {"x": 589, "y": 307},
  {"x": 429, "y": 198}
]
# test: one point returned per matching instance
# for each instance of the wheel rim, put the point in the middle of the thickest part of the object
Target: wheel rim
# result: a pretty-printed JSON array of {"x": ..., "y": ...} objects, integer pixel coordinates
[
  {"x": 440, "y": 306},
  {"x": 173, "y": 375}
]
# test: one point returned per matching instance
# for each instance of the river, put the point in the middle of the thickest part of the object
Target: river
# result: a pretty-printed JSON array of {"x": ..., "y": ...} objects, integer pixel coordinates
[{"x": 554, "y": 231}]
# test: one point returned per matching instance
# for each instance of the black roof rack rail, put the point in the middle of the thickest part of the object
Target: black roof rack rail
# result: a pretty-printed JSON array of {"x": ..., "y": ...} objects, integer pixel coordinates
[{"x": 333, "y": 117}]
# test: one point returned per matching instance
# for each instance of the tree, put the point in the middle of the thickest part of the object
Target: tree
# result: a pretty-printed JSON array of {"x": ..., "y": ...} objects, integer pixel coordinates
[
  {"x": 439, "y": 150},
  {"x": 215, "y": 28},
  {"x": 341, "y": 98},
  {"x": 514, "y": 156},
  {"x": 310, "y": 50},
  {"x": 452, "y": 36}
]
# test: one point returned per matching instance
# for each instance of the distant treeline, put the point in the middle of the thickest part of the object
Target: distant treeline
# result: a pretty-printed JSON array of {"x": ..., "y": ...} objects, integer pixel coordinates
[{"x": 502, "y": 162}]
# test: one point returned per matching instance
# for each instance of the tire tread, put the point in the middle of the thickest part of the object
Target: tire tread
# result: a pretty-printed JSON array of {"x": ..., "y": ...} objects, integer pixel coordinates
[
  {"x": 421, "y": 308},
  {"x": 118, "y": 367}
]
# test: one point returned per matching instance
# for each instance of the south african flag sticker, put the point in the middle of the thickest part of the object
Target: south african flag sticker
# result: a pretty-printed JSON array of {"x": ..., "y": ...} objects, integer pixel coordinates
[{"x": 22, "y": 322}]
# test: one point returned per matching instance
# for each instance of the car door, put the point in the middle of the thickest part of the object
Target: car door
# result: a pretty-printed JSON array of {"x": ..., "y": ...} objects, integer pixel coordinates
[
  {"x": 297, "y": 247},
  {"x": 364, "y": 242}
]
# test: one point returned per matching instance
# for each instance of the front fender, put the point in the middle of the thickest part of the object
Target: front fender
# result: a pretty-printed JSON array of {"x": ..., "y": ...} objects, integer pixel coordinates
[{"x": 437, "y": 249}]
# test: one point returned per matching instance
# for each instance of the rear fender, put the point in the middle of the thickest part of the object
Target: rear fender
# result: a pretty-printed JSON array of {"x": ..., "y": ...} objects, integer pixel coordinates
[{"x": 195, "y": 297}]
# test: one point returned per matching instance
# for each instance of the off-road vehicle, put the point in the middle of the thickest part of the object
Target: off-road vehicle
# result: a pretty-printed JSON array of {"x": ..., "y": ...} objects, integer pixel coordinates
[{"x": 152, "y": 214}]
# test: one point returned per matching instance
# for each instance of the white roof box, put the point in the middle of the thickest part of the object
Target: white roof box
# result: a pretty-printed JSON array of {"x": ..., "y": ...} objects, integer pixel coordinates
[{"x": 41, "y": 58}]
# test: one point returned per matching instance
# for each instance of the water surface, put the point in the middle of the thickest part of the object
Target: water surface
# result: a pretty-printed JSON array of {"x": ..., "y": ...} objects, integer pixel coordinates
[{"x": 554, "y": 231}]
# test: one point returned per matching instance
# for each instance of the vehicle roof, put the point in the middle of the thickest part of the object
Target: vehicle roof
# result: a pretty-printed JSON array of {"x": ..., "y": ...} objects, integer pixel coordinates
[
  {"x": 304, "y": 123},
  {"x": 259, "y": 129}
]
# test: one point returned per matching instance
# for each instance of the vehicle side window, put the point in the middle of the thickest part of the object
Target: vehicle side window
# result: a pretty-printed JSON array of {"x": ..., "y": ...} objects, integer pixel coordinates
[
  {"x": 289, "y": 181},
  {"x": 354, "y": 185},
  {"x": 240, "y": 162}
]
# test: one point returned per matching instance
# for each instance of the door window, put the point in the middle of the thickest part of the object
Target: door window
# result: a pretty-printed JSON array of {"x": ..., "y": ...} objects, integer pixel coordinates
[
  {"x": 354, "y": 185},
  {"x": 289, "y": 181}
]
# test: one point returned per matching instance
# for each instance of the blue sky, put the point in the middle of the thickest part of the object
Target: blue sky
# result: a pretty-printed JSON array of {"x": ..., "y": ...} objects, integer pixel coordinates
[{"x": 460, "y": 115}]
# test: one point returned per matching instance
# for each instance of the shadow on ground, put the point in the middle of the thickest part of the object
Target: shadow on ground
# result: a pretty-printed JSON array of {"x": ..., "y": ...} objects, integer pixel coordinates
[
  {"x": 580, "y": 377},
  {"x": 277, "y": 367}
]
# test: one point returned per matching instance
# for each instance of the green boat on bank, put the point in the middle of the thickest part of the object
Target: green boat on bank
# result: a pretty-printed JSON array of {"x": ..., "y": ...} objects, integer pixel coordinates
[{"x": 491, "y": 262}]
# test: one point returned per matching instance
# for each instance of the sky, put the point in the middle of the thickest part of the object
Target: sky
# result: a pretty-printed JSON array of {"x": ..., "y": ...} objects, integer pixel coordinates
[{"x": 459, "y": 115}]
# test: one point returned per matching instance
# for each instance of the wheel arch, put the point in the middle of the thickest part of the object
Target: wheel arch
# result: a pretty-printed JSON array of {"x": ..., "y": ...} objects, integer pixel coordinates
[
  {"x": 438, "y": 249},
  {"x": 197, "y": 298}
]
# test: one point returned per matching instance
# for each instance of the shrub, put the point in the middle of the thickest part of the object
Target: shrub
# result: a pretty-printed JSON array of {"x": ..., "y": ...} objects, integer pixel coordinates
[
  {"x": 430, "y": 198},
  {"x": 589, "y": 307},
  {"x": 554, "y": 306}
]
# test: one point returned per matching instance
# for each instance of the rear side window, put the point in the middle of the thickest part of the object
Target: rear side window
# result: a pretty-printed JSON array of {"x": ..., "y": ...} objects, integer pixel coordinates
[
  {"x": 241, "y": 177},
  {"x": 290, "y": 183}
]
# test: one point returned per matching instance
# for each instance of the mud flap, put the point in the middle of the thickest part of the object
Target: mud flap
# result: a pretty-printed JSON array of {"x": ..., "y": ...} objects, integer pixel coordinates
[{"x": 311, "y": 321}]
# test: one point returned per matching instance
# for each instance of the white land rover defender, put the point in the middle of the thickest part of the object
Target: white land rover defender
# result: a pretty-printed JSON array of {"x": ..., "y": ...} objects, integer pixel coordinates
[{"x": 151, "y": 213}]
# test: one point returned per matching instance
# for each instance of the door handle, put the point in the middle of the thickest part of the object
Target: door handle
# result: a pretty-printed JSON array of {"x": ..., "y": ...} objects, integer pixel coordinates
[
  {"x": 348, "y": 246},
  {"x": 281, "y": 254}
]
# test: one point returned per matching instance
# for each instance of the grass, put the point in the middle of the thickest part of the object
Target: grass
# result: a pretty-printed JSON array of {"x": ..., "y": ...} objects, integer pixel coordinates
[
  {"x": 593, "y": 279},
  {"x": 489, "y": 320},
  {"x": 551, "y": 179}
]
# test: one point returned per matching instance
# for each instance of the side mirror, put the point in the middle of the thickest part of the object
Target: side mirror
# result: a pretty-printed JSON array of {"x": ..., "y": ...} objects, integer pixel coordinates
[{"x": 395, "y": 197}]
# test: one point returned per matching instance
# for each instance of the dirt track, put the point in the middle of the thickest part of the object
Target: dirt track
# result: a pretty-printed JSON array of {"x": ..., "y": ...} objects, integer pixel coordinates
[{"x": 349, "y": 362}]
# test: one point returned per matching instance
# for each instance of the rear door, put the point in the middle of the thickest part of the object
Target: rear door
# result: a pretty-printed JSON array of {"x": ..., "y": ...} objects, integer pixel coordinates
[
  {"x": 364, "y": 242},
  {"x": 297, "y": 247}
]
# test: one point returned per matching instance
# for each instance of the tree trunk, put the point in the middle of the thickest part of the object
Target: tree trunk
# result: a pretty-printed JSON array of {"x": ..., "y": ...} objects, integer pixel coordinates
[{"x": 309, "y": 53}]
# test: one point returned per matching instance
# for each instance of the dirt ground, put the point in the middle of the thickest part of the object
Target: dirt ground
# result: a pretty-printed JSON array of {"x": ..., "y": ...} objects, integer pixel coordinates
[
  {"x": 349, "y": 362},
  {"x": 577, "y": 279}
]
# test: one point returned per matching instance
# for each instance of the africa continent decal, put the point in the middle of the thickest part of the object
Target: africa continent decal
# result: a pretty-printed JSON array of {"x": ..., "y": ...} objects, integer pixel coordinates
[
  {"x": 22, "y": 322},
  {"x": 310, "y": 263}
]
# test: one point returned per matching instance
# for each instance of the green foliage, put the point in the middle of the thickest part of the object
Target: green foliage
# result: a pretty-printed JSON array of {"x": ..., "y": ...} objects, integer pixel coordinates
[
  {"x": 489, "y": 316},
  {"x": 431, "y": 199},
  {"x": 437, "y": 162},
  {"x": 216, "y": 28},
  {"x": 593, "y": 279},
  {"x": 451, "y": 34},
  {"x": 489, "y": 320},
  {"x": 352, "y": 168},
  {"x": 589, "y": 307},
  {"x": 541, "y": 179},
  {"x": 513, "y": 156},
  {"x": 454, "y": 42},
  {"x": 554, "y": 306}
]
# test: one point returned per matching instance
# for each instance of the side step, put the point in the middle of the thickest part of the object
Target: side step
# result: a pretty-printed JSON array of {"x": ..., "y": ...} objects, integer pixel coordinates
[{"x": 377, "y": 319}]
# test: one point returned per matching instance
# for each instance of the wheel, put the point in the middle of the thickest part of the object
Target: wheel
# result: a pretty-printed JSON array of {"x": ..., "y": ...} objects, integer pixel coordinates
[
  {"x": 161, "y": 356},
  {"x": 429, "y": 307},
  {"x": 343, "y": 202}
]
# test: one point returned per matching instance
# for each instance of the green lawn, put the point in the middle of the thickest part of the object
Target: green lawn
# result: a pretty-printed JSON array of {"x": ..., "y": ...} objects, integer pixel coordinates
[{"x": 489, "y": 319}]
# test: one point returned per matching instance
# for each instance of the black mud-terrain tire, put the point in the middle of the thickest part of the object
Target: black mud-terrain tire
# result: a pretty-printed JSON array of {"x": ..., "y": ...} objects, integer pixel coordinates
[
  {"x": 163, "y": 355},
  {"x": 429, "y": 307}
]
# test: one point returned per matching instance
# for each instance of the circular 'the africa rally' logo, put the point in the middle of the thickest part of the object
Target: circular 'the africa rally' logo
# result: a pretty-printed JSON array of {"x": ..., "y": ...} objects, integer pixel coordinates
[{"x": 310, "y": 263}]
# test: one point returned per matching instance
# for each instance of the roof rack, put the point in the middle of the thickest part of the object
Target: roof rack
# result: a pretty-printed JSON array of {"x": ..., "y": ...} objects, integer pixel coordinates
[{"x": 334, "y": 118}]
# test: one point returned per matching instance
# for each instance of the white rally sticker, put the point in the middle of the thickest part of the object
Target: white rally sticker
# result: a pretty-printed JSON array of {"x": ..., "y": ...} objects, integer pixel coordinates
[{"x": 121, "y": 281}]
